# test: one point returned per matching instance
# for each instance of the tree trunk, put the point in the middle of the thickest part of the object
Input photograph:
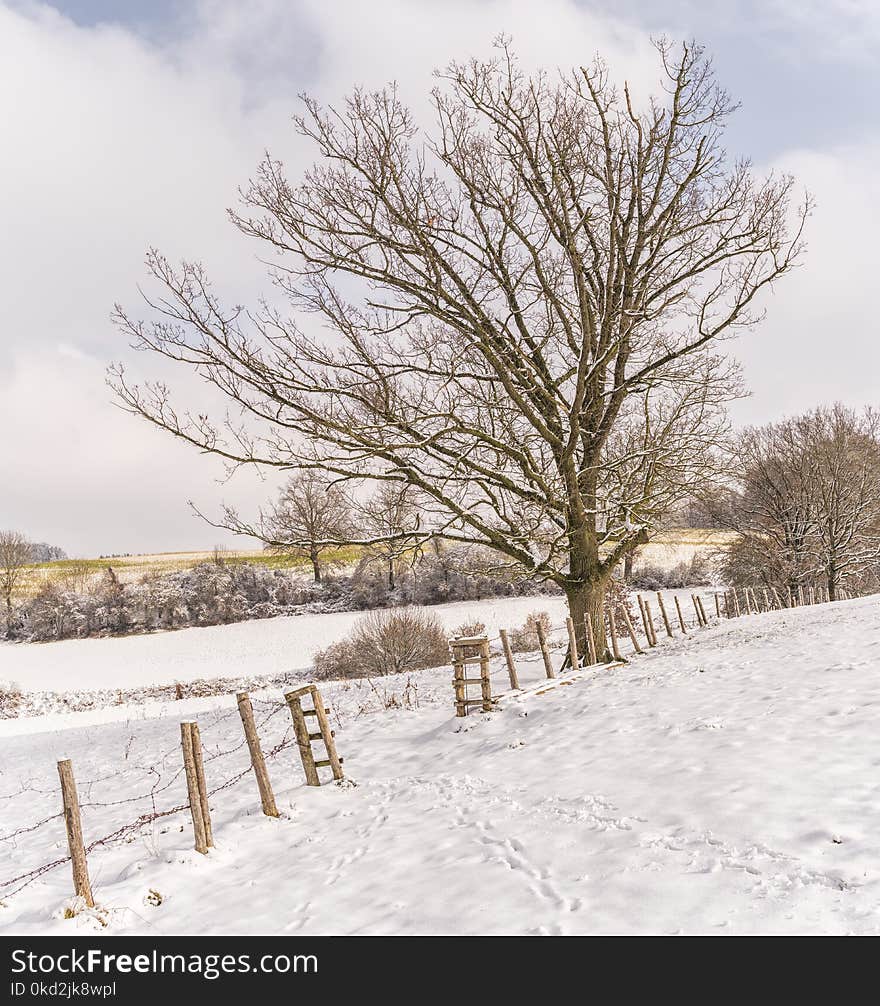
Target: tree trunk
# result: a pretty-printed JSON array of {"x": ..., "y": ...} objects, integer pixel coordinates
[
  {"x": 391, "y": 573},
  {"x": 316, "y": 565},
  {"x": 628, "y": 566},
  {"x": 588, "y": 600},
  {"x": 832, "y": 582},
  {"x": 9, "y": 615}
]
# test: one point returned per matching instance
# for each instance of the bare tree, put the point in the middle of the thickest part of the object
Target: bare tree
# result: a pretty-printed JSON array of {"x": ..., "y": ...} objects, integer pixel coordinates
[
  {"x": 522, "y": 307},
  {"x": 806, "y": 505},
  {"x": 390, "y": 522},
  {"x": 842, "y": 451},
  {"x": 15, "y": 557},
  {"x": 310, "y": 515}
]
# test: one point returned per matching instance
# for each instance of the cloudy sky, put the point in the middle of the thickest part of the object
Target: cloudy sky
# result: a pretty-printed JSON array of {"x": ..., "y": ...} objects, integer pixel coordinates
[{"x": 131, "y": 124}]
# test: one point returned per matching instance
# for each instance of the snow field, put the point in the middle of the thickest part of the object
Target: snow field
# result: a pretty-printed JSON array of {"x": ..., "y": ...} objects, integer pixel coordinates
[{"x": 727, "y": 783}]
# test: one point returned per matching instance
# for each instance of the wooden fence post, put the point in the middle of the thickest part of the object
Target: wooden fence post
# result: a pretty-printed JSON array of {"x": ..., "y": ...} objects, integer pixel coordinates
[
  {"x": 644, "y": 614},
  {"x": 663, "y": 613},
  {"x": 631, "y": 630},
  {"x": 697, "y": 609},
  {"x": 203, "y": 786},
  {"x": 508, "y": 656},
  {"x": 680, "y": 615},
  {"x": 545, "y": 653},
  {"x": 612, "y": 628},
  {"x": 591, "y": 639},
  {"x": 702, "y": 610},
  {"x": 258, "y": 762},
  {"x": 73, "y": 825},
  {"x": 717, "y": 607},
  {"x": 776, "y": 601},
  {"x": 650, "y": 622},
  {"x": 192, "y": 787},
  {"x": 572, "y": 644}
]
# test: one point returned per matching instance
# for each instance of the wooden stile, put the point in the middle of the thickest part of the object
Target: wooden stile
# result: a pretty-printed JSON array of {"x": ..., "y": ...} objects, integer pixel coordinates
[
  {"x": 664, "y": 614},
  {"x": 192, "y": 788},
  {"x": 258, "y": 762},
  {"x": 73, "y": 825},
  {"x": 304, "y": 738},
  {"x": 545, "y": 652},
  {"x": 303, "y": 742},
  {"x": 508, "y": 656}
]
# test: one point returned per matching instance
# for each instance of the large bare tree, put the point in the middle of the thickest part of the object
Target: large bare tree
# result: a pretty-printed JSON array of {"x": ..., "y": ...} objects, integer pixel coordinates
[
  {"x": 16, "y": 555},
  {"x": 518, "y": 307}
]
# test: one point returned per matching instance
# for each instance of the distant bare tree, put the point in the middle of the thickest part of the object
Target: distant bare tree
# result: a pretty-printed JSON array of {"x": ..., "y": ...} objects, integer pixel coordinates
[
  {"x": 15, "y": 557},
  {"x": 310, "y": 516},
  {"x": 390, "y": 523},
  {"x": 807, "y": 501},
  {"x": 521, "y": 308}
]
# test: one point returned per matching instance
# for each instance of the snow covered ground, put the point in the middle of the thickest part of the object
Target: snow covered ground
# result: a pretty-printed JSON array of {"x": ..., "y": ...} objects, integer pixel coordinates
[{"x": 724, "y": 783}]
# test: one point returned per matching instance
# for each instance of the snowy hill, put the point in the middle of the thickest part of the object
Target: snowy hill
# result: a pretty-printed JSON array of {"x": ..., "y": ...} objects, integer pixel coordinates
[{"x": 724, "y": 783}]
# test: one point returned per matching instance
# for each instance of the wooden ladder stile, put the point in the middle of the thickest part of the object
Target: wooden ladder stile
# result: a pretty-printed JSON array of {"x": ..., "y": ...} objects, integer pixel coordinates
[{"x": 305, "y": 737}]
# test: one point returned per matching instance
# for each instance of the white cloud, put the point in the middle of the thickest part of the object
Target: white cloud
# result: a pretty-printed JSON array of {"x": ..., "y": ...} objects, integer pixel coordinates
[{"x": 113, "y": 143}]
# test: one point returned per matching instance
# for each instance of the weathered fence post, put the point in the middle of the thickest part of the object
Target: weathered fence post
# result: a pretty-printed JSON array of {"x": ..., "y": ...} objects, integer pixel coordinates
[
  {"x": 644, "y": 614},
  {"x": 612, "y": 629},
  {"x": 258, "y": 762},
  {"x": 650, "y": 622},
  {"x": 631, "y": 630},
  {"x": 545, "y": 652},
  {"x": 203, "y": 786},
  {"x": 663, "y": 613},
  {"x": 591, "y": 639},
  {"x": 192, "y": 787},
  {"x": 73, "y": 826},
  {"x": 680, "y": 615},
  {"x": 572, "y": 645},
  {"x": 508, "y": 656}
]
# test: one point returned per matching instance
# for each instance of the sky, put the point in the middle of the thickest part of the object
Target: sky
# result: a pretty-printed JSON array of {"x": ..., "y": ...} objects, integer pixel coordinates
[{"x": 130, "y": 125}]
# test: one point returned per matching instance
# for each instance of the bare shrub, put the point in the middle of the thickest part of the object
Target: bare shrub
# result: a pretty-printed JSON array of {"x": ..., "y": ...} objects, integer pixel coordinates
[
  {"x": 470, "y": 629},
  {"x": 388, "y": 641},
  {"x": 525, "y": 638}
]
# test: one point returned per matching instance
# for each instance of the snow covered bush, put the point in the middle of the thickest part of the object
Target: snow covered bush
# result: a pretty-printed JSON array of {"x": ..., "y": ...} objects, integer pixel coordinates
[
  {"x": 388, "y": 641},
  {"x": 470, "y": 629},
  {"x": 695, "y": 573}
]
